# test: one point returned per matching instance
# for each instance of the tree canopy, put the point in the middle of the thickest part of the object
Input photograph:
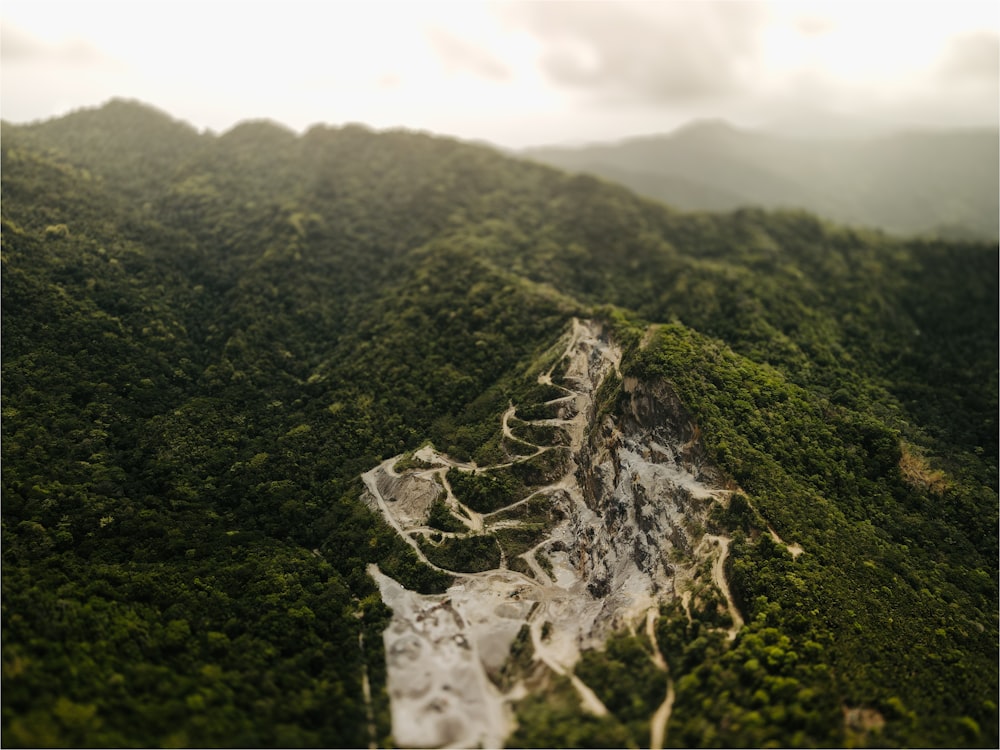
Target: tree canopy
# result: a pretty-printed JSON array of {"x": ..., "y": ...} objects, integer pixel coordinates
[{"x": 207, "y": 339}]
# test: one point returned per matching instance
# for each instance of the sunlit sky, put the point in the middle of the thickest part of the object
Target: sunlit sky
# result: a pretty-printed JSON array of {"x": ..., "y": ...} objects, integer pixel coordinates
[{"x": 514, "y": 74}]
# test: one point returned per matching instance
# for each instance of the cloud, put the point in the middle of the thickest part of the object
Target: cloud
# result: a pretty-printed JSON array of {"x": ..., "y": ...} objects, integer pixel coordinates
[
  {"x": 458, "y": 54},
  {"x": 388, "y": 81},
  {"x": 647, "y": 53},
  {"x": 972, "y": 58},
  {"x": 814, "y": 25},
  {"x": 17, "y": 46}
]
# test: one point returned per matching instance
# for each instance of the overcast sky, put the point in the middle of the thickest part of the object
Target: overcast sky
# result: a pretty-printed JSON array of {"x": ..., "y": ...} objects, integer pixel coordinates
[{"x": 515, "y": 74}]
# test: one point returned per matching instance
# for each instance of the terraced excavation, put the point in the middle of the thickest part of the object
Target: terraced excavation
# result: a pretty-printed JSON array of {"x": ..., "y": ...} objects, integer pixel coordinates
[{"x": 570, "y": 540}]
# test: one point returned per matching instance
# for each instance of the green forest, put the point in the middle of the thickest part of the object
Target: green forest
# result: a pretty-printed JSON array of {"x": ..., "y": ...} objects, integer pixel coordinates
[{"x": 207, "y": 339}]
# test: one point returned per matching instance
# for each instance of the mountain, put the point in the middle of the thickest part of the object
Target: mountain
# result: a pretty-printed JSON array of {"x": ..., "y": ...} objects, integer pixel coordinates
[
  {"x": 933, "y": 183},
  {"x": 353, "y": 437}
]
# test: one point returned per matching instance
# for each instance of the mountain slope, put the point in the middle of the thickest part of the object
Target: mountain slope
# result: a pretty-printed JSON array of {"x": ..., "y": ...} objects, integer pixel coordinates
[
  {"x": 203, "y": 355},
  {"x": 909, "y": 183}
]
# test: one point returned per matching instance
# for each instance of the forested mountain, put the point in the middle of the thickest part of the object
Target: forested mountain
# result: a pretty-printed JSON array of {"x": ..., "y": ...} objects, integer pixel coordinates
[
  {"x": 935, "y": 183},
  {"x": 207, "y": 340}
]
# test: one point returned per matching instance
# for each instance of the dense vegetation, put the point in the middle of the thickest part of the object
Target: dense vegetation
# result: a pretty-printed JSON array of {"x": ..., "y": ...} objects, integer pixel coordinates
[
  {"x": 898, "y": 575},
  {"x": 208, "y": 338}
]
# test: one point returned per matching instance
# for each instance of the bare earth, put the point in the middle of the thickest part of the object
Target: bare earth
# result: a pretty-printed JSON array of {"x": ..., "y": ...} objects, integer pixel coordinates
[{"x": 629, "y": 540}]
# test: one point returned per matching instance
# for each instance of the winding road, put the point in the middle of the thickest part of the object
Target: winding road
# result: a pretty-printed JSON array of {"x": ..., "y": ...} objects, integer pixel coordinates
[{"x": 559, "y": 598}]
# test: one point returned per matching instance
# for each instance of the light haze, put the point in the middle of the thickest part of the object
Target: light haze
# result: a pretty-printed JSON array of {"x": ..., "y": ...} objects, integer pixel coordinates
[{"x": 514, "y": 74}]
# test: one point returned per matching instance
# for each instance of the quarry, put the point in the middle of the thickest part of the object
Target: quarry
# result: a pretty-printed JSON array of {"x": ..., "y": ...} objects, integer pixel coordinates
[{"x": 626, "y": 534}]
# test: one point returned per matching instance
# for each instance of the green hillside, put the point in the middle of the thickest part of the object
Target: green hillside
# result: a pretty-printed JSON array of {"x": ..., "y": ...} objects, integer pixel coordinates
[
  {"x": 930, "y": 183},
  {"x": 207, "y": 339}
]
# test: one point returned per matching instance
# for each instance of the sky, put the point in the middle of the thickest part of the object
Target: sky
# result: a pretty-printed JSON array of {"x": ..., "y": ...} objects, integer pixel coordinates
[{"x": 511, "y": 73}]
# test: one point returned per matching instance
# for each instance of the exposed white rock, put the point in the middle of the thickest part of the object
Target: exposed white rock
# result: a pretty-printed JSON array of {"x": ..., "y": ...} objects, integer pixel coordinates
[
  {"x": 438, "y": 688},
  {"x": 632, "y": 504},
  {"x": 411, "y": 494}
]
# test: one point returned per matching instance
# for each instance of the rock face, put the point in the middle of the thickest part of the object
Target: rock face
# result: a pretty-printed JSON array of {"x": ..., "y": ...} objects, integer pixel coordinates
[
  {"x": 413, "y": 496},
  {"x": 627, "y": 534},
  {"x": 647, "y": 477},
  {"x": 440, "y": 694}
]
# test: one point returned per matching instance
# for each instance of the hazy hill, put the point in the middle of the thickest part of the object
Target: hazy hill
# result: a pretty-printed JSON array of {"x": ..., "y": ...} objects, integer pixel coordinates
[
  {"x": 208, "y": 339},
  {"x": 943, "y": 183}
]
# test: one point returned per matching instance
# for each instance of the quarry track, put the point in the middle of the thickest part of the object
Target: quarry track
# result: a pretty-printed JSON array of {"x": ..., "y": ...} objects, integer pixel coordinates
[
  {"x": 440, "y": 649},
  {"x": 658, "y": 723},
  {"x": 719, "y": 578}
]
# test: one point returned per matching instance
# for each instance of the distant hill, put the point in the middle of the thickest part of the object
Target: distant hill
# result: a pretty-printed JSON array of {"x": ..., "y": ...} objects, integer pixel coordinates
[{"x": 916, "y": 183}]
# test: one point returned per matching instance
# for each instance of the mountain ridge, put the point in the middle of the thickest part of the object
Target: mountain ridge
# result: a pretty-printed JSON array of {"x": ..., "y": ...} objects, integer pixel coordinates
[
  {"x": 206, "y": 350},
  {"x": 943, "y": 178}
]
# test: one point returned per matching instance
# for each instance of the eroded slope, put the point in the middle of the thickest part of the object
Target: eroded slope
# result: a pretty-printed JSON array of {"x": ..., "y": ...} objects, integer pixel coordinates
[{"x": 593, "y": 537}]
